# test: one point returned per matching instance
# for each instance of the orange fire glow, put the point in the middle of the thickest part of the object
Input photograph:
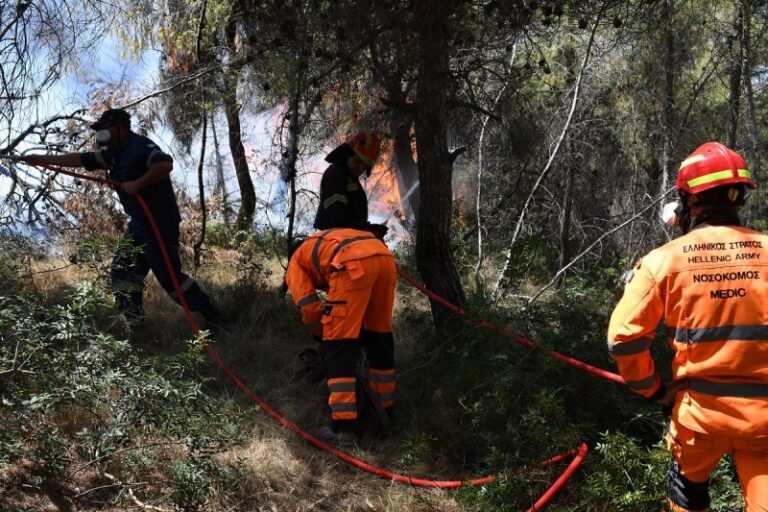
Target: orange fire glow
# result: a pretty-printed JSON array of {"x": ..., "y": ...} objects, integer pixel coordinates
[{"x": 383, "y": 192}]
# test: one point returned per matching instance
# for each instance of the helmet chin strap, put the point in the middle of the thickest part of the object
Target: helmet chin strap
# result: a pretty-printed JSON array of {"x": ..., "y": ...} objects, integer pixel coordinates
[
  {"x": 685, "y": 215},
  {"x": 717, "y": 215}
]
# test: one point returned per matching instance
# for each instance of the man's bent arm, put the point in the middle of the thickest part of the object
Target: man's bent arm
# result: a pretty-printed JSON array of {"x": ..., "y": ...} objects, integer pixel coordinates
[{"x": 66, "y": 160}]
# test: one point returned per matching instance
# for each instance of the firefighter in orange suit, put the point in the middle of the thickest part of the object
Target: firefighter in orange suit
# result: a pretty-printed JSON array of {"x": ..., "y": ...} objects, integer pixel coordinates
[
  {"x": 359, "y": 274},
  {"x": 710, "y": 286}
]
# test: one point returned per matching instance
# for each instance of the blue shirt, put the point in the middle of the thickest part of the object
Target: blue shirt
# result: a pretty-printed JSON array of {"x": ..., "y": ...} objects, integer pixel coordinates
[{"x": 129, "y": 162}]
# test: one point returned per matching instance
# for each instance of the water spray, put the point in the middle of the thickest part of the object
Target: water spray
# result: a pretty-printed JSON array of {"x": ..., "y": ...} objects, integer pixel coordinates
[{"x": 402, "y": 200}]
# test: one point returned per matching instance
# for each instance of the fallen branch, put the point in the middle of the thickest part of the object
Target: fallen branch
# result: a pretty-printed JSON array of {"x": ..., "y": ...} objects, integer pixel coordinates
[{"x": 133, "y": 497}]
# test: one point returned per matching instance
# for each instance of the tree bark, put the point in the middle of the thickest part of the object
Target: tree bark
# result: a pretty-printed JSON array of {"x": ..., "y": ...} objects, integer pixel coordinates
[
  {"x": 565, "y": 224},
  {"x": 288, "y": 165},
  {"x": 480, "y": 169},
  {"x": 221, "y": 183},
  {"x": 734, "y": 99},
  {"x": 746, "y": 74},
  {"x": 407, "y": 170},
  {"x": 201, "y": 185},
  {"x": 564, "y": 234},
  {"x": 434, "y": 258},
  {"x": 245, "y": 214},
  {"x": 667, "y": 122}
]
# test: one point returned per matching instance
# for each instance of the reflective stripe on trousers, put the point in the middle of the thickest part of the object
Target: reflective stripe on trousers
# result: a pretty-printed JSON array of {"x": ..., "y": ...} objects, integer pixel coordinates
[
  {"x": 342, "y": 400},
  {"x": 383, "y": 384},
  {"x": 697, "y": 454}
]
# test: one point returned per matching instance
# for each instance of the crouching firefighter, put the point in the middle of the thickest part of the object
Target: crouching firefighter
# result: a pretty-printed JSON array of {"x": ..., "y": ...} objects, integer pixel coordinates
[
  {"x": 710, "y": 286},
  {"x": 140, "y": 167},
  {"x": 359, "y": 274}
]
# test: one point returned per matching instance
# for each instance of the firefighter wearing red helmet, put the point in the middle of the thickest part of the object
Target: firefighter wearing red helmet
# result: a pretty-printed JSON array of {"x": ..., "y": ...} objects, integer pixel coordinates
[
  {"x": 343, "y": 203},
  {"x": 710, "y": 287}
]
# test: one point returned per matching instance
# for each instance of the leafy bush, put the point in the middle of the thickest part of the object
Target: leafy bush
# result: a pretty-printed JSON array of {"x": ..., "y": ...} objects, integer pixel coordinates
[
  {"x": 16, "y": 253},
  {"x": 76, "y": 398},
  {"x": 217, "y": 234},
  {"x": 625, "y": 476}
]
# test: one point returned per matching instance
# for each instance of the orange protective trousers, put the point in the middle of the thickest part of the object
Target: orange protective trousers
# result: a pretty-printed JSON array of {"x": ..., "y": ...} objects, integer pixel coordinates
[
  {"x": 358, "y": 316},
  {"x": 696, "y": 455}
]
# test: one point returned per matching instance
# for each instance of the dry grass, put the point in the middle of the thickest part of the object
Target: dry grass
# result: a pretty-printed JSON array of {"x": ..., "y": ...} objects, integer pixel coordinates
[{"x": 261, "y": 341}]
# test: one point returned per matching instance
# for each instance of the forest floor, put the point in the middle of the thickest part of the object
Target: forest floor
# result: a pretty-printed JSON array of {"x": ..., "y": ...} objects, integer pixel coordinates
[{"x": 261, "y": 341}]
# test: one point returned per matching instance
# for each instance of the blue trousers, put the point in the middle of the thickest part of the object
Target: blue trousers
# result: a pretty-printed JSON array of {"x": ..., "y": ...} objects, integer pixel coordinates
[{"x": 137, "y": 253}]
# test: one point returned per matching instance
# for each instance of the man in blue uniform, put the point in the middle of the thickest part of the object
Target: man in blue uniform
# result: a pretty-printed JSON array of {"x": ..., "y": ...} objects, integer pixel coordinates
[{"x": 140, "y": 167}]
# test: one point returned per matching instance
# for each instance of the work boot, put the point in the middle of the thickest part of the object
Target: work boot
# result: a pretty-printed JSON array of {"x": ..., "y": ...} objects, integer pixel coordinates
[
  {"x": 313, "y": 369},
  {"x": 327, "y": 434},
  {"x": 212, "y": 316}
]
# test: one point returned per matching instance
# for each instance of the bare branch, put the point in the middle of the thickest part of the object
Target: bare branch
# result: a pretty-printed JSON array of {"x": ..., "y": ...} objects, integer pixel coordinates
[
  {"x": 497, "y": 291},
  {"x": 593, "y": 244}
]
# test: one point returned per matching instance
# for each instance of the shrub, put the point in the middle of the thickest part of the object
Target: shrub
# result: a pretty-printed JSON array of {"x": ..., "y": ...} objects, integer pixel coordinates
[
  {"x": 75, "y": 397},
  {"x": 626, "y": 476}
]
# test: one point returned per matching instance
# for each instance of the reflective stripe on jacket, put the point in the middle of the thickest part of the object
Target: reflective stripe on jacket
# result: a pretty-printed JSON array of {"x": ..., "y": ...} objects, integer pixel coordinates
[
  {"x": 311, "y": 264},
  {"x": 130, "y": 162},
  {"x": 343, "y": 202},
  {"x": 711, "y": 289}
]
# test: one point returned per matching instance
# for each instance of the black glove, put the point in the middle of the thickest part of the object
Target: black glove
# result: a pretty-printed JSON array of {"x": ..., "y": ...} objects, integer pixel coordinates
[
  {"x": 665, "y": 395},
  {"x": 658, "y": 395},
  {"x": 378, "y": 230}
]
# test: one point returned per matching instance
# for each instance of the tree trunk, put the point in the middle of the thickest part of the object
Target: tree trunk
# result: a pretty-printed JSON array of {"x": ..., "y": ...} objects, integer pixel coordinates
[
  {"x": 434, "y": 257},
  {"x": 734, "y": 99},
  {"x": 247, "y": 209},
  {"x": 288, "y": 165},
  {"x": 565, "y": 224},
  {"x": 564, "y": 234},
  {"x": 756, "y": 206},
  {"x": 407, "y": 170},
  {"x": 667, "y": 156},
  {"x": 746, "y": 74},
  {"x": 221, "y": 183},
  {"x": 201, "y": 184},
  {"x": 479, "y": 193}
]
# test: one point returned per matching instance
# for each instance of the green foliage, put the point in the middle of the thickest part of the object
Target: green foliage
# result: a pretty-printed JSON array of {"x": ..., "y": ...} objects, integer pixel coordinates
[
  {"x": 16, "y": 253},
  {"x": 10, "y": 268},
  {"x": 416, "y": 447},
  {"x": 217, "y": 234},
  {"x": 74, "y": 395},
  {"x": 196, "y": 478},
  {"x": 627, "y": 476},
  {"x": 253, "y": 250},
  {"x": 92, "y": 252},
  {"x": 509, "y": 495}
]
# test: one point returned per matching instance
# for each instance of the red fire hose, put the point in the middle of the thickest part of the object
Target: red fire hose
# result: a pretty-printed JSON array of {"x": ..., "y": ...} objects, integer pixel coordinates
[
  {"x": 578, "y": 454},
  {"x": 509, "y": 334}
]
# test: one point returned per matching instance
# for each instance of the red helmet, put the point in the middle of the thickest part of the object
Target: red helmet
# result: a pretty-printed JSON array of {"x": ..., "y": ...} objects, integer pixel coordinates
[
  {"x": 366, "y": 147},
  {"x": 712, "y": 165}
]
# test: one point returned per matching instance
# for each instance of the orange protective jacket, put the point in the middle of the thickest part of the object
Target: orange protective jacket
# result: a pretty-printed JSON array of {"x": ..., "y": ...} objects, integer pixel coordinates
[
  {"x": 310, "y": 266},
  {"x": 710, "y": 287}
]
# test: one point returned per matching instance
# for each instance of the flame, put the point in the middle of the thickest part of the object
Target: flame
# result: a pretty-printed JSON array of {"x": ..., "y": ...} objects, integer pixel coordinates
[{"x": 384, "y": 195}]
